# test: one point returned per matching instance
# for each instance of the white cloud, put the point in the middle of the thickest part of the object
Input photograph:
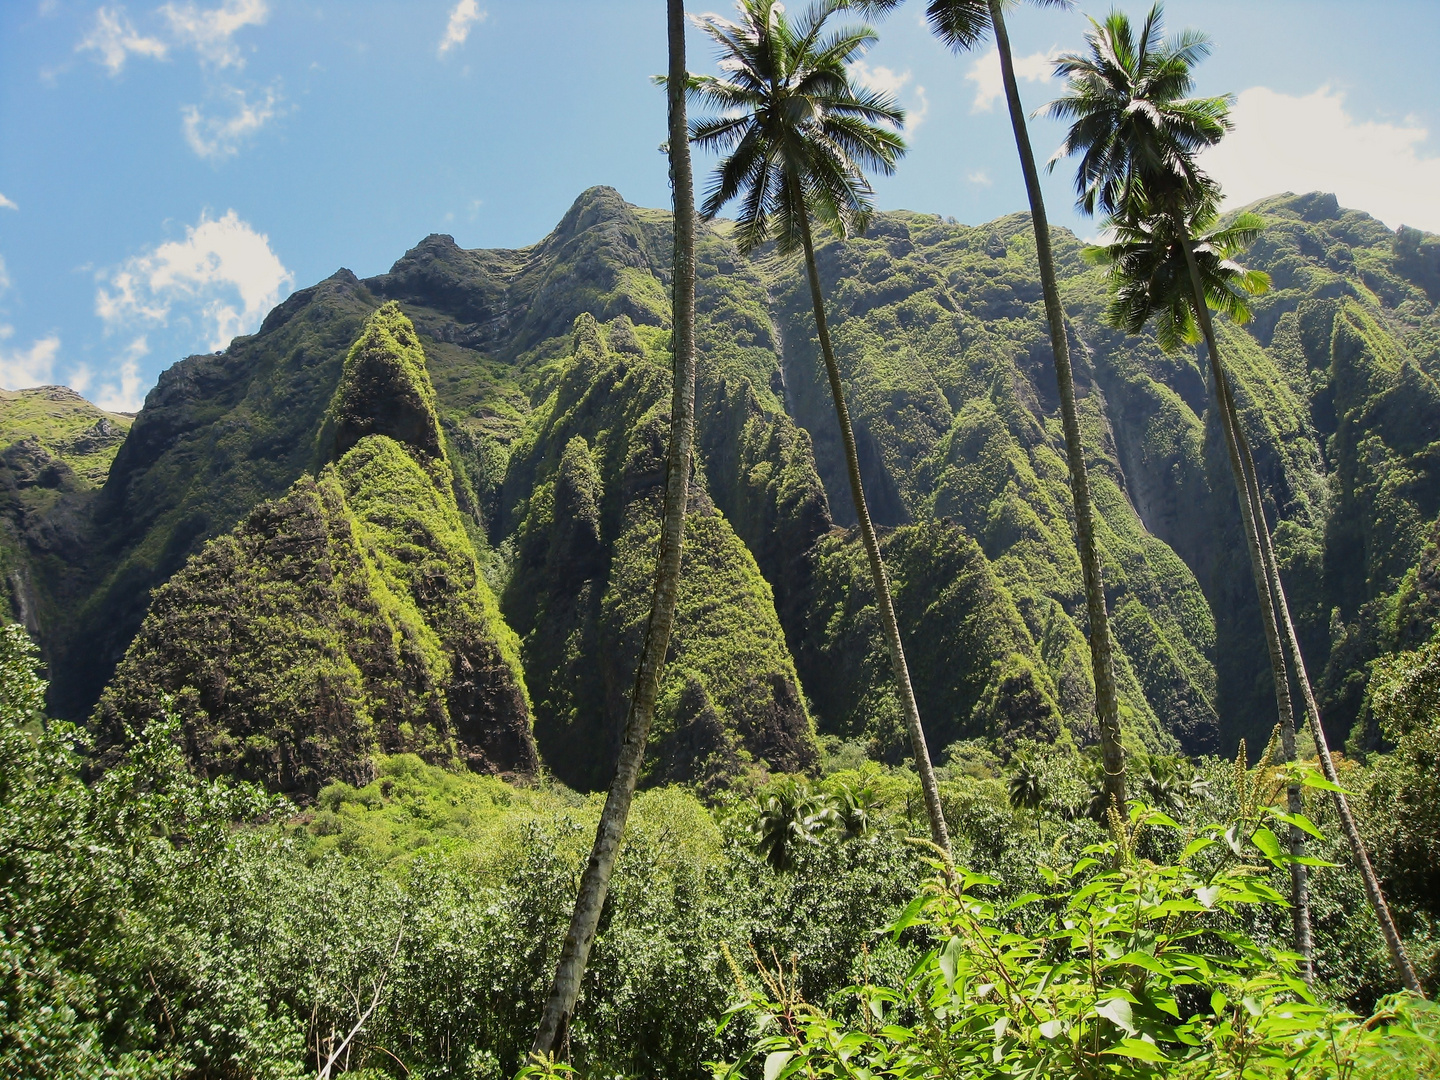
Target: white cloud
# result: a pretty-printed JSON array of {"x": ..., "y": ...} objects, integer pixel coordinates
[
  {"x": 465, "y": 14},
  {"x": 20, "y": 368},
  {"x": 990, "y": 83},
  {"x": 7, "y": 204},
  {"x": 884, "y": 80},
  {"x": 122, "y": 394},
  {"x": 979, "y": 176},
  {"x": 4, "y": 275},
  {"x": 211, "y": 31},
  {"x": 215, "y": 138},
  {"x": 113, "y": 38},
  {"x": 222, "y": 277},
  {"x": 1309, "y": 143}
]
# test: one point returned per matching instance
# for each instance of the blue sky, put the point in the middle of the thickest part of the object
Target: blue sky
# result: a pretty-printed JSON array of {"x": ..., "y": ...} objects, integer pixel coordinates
[{"x": 168, "y": 172}]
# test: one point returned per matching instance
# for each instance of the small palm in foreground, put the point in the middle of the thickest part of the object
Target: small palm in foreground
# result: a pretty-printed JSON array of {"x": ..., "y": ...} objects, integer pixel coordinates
[
  {"x": 789, "y": 817},
  {"x": 797, "y": 136}
]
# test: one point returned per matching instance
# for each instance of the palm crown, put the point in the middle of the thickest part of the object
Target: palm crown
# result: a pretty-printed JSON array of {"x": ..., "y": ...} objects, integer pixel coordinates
[
  {"x": 1134, "y": 126},
  {"x": 1149, "y": 275},
  {"x": 796, "y": 132}
]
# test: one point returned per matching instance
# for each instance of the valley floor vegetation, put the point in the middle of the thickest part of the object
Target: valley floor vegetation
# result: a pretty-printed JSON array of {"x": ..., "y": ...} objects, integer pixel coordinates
[{"x": 162, "y": 925}]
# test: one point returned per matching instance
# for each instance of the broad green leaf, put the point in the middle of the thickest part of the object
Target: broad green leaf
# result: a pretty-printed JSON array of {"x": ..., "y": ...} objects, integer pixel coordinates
[
  {"x": 1138, "y": 1049},
  {"x": 1300, "y": 821},
  {"x": 1267, "y": 842},
  {"x": 950, "y": 960},
  {"x": 1200, "y": 843},
  {"x": 1315, "y": 780},
  {"x": 775, "y": 1063},
  {"x": 1117, "y": 1011},
  {"x": 1207, "y": 895},
  {"x": 1050, "y": 1028}
]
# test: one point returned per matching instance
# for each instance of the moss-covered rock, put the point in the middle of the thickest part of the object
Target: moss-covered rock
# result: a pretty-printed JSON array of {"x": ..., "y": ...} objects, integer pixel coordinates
[
  {"x": 348, "y": 618},
  {"x": 593, "y": 464}
]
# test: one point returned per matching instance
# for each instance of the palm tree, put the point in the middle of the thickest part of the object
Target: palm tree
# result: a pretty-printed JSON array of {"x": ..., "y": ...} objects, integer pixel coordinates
[
  {"x": 790, "y": 816},
  {"x": 1027, "y": 791},
  {"x": 962, "y": 24},
  {"x": 797, "y": 136},
  {"x": 595, "y": 881},
  {"x": 854, "y": 809},
  {"x": 1138, "y": 133}
]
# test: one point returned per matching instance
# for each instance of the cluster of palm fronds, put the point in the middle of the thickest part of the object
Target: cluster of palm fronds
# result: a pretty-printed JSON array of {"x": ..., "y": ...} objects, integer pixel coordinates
[{"x": 793, "y": 813}]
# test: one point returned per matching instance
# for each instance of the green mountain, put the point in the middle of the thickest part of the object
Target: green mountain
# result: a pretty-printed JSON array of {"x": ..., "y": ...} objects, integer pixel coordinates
[
  {"x": 535, "y": 453},
  {"x": 345, "y": 619}
]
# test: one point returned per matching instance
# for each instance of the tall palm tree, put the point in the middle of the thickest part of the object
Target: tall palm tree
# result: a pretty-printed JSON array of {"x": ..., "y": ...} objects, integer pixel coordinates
[
  {"x": 797, "y": 135},
  {"x": 1138, "y": 133},
  {"x": 595, "y": 881},
  {"x": 962, "y": 24}
]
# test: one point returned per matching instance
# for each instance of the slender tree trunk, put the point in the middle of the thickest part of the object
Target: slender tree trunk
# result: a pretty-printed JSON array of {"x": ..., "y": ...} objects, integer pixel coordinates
[
  {"x": 1278, "y": 615},
  {"x": 595, "y": 882},
  {"x": 938, "y": 832},
  {"x": 1252, "y": 517},
  {"x": 1312, "y": 713},
  {"x": 1107, "y": 699}
]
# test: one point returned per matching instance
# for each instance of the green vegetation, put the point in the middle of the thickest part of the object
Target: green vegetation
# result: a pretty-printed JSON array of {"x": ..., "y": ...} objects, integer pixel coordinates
[
  {"x": 348, "y": 618},
  {"x": 579, "y": 593}
]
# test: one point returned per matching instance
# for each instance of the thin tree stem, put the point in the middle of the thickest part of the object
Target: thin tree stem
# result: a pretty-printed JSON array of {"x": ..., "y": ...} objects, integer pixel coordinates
[
  {"x": 1253, "y": 520},
  {"x": 1102, "y": 662},
  {"x": 595, "y": 882},
  {"x": 1279, "y": 607},
  {"x": 928, "y": 784}
]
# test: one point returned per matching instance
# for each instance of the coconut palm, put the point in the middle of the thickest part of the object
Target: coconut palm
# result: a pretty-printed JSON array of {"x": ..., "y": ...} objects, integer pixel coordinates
[
  {"x": 1027, "y": 791},
  {"x": 854, "y": 811},
  {"x": 963, "y": 24},
  {"x": 796, "y": 137},
  {"x": 595, "y": 881},
  {"x": 790, "y": 816},
  {"x": 1138, "y": 134}
]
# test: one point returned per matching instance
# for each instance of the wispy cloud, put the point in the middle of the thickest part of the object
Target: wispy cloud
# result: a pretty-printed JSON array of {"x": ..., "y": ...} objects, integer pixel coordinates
[
  {"x": 7, "y": 204},
  {"x": 990, "y": 83},
  {"x": 123, "y": 393},
  {"x": 979, "y": 176},
  {"x": 221, "y": 279},
  {"x": 34, "y": 366},
  {"x": 463, "y": 16},
  {"x": 113, "y": 39},
  {"x": 888, "y": 81},
  {"x": 211, "y": 31},
  {"x": 1311, "y": 142},
  {"x": 216, "y": 137}
]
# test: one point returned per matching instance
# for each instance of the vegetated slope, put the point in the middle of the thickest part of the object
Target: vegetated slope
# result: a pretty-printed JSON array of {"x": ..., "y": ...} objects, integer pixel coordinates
[
  {"x": 57, "y": 450},
  {"x": 345, "y": 619},
  {"x": 593, "y": 465},
  {"x": 941, "y": 335}
]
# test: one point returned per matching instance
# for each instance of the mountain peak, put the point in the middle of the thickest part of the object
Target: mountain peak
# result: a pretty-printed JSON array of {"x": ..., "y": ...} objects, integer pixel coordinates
[{"x": 384, "y": 389}]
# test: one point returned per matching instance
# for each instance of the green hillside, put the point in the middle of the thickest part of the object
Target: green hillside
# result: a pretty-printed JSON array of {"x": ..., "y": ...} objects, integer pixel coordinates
[{"x": 547, "y": 369}]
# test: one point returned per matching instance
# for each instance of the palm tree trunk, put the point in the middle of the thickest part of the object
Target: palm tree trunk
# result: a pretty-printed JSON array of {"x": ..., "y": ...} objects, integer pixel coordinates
[
  {"x": 938, "y": 832},
  {"x": 1276, "y": 610},
  {"x": 1327, "y": 765},
  {"x": 1107, "y": 698},
  {"x": 1253, "y": 521},
  {"x": 595, "y": 881}
]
